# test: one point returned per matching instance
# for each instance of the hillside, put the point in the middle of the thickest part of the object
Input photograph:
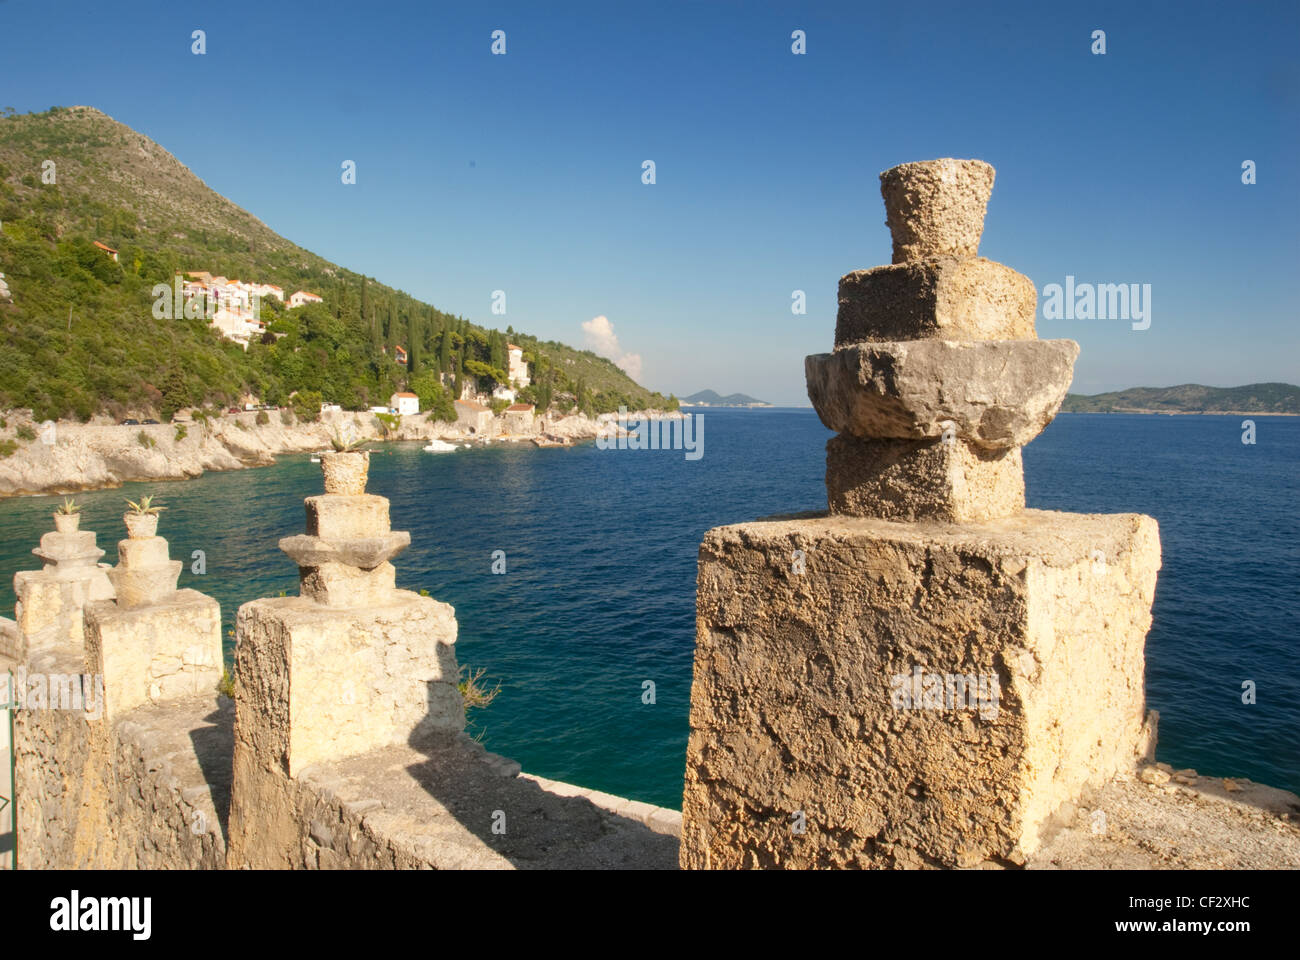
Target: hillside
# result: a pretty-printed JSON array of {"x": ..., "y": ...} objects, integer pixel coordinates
[
  {"x": 1264, "y": 398},
  {"x": 79, "y": 328},
  {"x": 710, "y": 398}
]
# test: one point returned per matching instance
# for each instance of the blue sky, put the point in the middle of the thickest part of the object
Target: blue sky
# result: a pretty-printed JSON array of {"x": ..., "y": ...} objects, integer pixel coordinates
[{"x": 522, "y": 172}]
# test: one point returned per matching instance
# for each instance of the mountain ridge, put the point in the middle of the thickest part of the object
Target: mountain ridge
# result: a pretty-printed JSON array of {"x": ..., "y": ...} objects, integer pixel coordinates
[
  {"x": 1259, "y": 398},
  {"x": 82, "y": 325},
  {"x": 711, "y": 398}
]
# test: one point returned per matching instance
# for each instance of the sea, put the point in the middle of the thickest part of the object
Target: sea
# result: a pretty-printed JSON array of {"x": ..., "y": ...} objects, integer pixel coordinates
[{"x": 572, "y": 571}]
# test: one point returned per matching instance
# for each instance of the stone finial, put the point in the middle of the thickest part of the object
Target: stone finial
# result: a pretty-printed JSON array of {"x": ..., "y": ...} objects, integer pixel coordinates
[
  {"x": 343, "y": 558},
  {"x": 935, "y": 208},
  {"x": 50, "y": 600},
  {"x": 937, "y": 379},
  {"x": 145, "y": 573}
]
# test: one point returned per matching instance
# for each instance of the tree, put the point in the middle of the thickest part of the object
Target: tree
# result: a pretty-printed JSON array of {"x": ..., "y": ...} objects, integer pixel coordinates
[
  {"x": 434, "y": 400},
  {"x": 174, "y": 394},
  {"x": 415, "y": 338},
  {"x": 306, "y": 405}
]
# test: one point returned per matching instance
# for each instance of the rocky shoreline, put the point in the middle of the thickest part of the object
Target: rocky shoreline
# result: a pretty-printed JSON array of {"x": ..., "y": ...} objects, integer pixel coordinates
[{"x": 75, "y": 457}]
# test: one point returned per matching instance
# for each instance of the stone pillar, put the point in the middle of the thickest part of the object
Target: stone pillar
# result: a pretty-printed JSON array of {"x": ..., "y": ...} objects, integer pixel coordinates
[
  {"x": 350, "y": 665},
  {"x": 48, "y": 612},
  {"x": 154, "y": 642},
  {"x": 924, "y": 675}
]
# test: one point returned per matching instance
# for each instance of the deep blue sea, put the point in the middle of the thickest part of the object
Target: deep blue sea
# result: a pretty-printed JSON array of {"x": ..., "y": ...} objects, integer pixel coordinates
[{"x": 599, "y": 590}]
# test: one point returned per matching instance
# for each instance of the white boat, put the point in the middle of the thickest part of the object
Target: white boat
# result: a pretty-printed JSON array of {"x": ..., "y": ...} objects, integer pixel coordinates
[{"x": 440, "y": 446}]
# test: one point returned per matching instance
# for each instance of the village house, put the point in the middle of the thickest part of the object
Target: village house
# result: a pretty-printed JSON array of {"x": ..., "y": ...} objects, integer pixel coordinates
[
  {"x": 399, "y": 354},
  {"x": 232, "y": 307},
  {"x": 518, "y": 372},
  {"x": 519, "y": 418},
  {"x": 108, "y": 250},
  {"x": 475, "y": 416},
  {"x": 302, "y": 297},
  {"x": 404, "y": 404}
]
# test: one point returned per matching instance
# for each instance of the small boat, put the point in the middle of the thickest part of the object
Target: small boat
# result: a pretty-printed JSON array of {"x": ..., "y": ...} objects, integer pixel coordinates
[{"x": 440, "y": 446}]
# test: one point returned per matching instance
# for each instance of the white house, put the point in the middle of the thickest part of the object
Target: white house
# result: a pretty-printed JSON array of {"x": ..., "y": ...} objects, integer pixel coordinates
[
  {"x": 518, "y": 372},
  {"x": 404, "y": 404},
  {"x": 301, "y": 297}
]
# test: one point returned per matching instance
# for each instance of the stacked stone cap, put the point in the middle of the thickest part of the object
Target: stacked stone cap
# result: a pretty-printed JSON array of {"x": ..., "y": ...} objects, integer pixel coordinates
[
  {"x": 343, "y": 559},
  {"x": 937, "y": 378},
  {"x": 145, "y": 574}
]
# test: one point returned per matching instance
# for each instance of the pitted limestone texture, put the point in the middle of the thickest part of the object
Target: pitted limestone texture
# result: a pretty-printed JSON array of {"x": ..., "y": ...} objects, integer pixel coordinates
[
  {"x": 935, "y": 208},
  {"x": 945, "y": 298},
  {"x": 805, "y": 681},
  {"x": 911, "y": 480},
  {"x": 993, "y": 394}
]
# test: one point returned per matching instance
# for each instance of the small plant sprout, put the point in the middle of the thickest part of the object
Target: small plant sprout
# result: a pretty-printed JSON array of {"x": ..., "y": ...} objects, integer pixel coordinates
[
  {"x": 68, "y": 508},
  {"x": 343, "y": 444},
  {"x": 145, "y": 508}
]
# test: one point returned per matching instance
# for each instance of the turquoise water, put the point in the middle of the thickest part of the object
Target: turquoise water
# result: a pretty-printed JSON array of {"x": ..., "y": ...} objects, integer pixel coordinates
[{"x": 598, "y": 594}]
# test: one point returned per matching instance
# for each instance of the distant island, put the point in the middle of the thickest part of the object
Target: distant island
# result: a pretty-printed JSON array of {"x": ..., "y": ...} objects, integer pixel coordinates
[
  {"x": 1279, "y": 399},
  {"x": 710, "y": 398}
]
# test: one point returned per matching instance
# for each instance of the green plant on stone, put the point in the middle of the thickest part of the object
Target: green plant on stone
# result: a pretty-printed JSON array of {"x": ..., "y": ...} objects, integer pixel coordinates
[
  {"x": 68, "y": 507},
  {"x": 8, "y": 448},
  {"x": 181, "y": 432},
  {"x": 146, "y": 441},
  {"x": 226, "y": 685},
  {"x": 263, "y": 418},
  {"x": 473, "y": 692},
  {"x": 341, "y": 445},
  {"x": 25, "y": 432},
  {"x": 144, "y": 508}
]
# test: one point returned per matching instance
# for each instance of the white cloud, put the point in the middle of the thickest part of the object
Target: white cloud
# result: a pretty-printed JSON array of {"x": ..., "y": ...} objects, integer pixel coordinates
[{"x": 602, "y": 339}]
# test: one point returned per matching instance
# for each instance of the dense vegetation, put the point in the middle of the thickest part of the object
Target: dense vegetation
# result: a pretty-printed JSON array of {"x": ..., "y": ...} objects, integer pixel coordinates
[
  {"x": 81, "y": 338},
  {"x": 1191, "y": 398}
]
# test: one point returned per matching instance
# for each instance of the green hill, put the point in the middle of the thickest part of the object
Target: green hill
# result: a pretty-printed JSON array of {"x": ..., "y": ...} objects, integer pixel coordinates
[
  {"x": 80, "y": 334},
  {"x": 1190, "y": 398}
]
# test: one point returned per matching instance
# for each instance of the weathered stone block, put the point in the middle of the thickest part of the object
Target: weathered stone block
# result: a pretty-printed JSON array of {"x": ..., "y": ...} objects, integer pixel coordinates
[
  {"x": 315, "y": 684},
  {"x": 342, "y": 585},
  {"x": 344, "y": 517},
  {"x": 145, "y": 586},
  {"x": 922, "y": 479},
  {"x": 308, "y": 551},
  {"x": 150, "y": 654},
  {"x": 945, "y": 299},
  {"x": 804, "y": 708},
  {"x": 145, "y": 552},
  {"x": 935, "y": 208},
  {"x": 69, "y": 552},
  {"x": 994, "y": 394}
]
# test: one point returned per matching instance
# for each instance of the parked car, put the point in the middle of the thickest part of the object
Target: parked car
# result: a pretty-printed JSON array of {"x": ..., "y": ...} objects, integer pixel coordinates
[
  {"x": 234, "y": 410},
  {"x": 149, "y": 422},
  {"x": 129, "y": 422}
]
